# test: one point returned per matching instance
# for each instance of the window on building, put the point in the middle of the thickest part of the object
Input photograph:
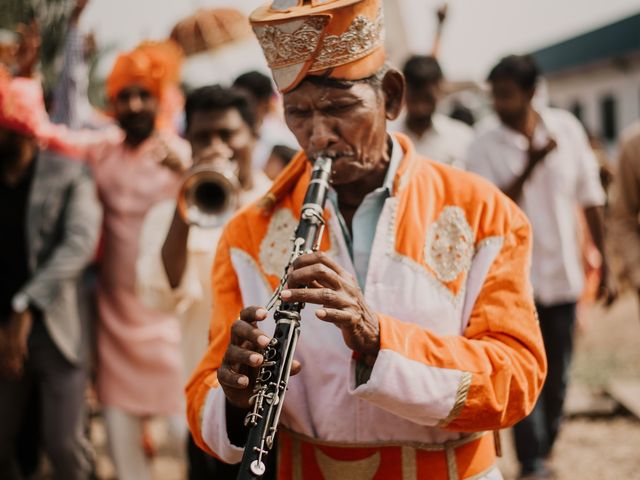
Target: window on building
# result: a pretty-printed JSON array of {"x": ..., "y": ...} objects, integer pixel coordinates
[
  {"x": 576, "y": 109},
  {"x": 608, "y": 115}
]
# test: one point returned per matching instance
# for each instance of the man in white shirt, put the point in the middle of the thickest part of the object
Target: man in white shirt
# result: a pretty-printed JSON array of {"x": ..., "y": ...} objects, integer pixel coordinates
[
  {"x": 434, "y": 135},
  {"x": 541, "y": 159},
  {"x": 174, "y": 267}
]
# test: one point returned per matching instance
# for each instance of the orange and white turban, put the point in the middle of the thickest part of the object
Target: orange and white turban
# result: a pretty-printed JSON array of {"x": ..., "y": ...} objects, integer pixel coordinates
[
  {"x": 342, "y": 39},
  {"x": 152, "y": 65}
]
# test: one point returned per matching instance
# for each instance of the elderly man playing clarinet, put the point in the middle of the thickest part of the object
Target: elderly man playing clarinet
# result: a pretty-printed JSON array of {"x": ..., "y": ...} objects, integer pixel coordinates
[{"x": 418, "y": 333}]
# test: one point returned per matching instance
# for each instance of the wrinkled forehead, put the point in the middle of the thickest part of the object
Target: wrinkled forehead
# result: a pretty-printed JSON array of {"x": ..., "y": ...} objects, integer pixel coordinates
[{"x": 325, "y": 92}]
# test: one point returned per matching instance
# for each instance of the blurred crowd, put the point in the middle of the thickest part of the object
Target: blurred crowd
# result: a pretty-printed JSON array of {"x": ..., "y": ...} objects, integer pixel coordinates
[{"x": 110, "y": 216}]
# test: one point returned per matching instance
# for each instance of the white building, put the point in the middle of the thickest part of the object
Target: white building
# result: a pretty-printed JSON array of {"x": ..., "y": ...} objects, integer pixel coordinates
[{"x": 596, "y": 75}]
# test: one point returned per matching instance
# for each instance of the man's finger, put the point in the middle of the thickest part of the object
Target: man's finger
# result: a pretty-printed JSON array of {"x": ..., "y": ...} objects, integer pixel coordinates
[
  {"x": 296, "y": 366},
  {"x": 339, "y": 318},
  {"x": 243, "y": 331},
  {"x": 319, "y": 257},
  {"x": 309, "y": 275},
  {"x": 232, "y": 379},
  {"x": 237, "y": 356},
  {"x": 318, "y": 296},
  {"x": 253, "y": 314}
]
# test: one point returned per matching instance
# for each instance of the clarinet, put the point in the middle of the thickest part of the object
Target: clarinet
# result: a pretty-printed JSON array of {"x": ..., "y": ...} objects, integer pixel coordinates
[{"x": 273, "y": 377}]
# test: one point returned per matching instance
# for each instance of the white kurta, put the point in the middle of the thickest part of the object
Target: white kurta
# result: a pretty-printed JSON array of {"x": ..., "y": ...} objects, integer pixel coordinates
[
  {"x": 191, "y": 301},
  {"x": 568, "y": 177}
]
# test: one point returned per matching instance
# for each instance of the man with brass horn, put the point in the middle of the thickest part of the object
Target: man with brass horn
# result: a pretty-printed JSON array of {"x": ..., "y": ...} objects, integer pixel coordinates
[
  {"x": 423, "y": 269},
  {"x": 174, "y": 266}
]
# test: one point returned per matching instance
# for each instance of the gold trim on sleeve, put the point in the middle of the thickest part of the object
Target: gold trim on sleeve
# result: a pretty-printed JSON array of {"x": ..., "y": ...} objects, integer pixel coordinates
[{"x": 461, "y": 398}]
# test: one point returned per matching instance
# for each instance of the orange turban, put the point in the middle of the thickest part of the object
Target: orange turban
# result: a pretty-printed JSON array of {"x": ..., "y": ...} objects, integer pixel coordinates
[
  {"x": 152, "y": 65},
  {"x": 342, "y": 39}
]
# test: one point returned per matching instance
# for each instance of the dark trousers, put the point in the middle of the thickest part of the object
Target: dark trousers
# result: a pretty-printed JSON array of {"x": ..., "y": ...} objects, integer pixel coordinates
[
  {"x": 536, "y": 434},
  {"x": 204, "y": 467},
  {"x": 60, "y": 409}
]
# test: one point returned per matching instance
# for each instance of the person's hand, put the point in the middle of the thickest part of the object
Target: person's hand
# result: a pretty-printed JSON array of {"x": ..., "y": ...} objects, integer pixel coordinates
[
  {"x": 317, "y": 279},
  {"x": 13, "y": 344},
  {"x": 167, "y": 157},
  {"x": 243, "y": 358},
  {"x": 219, "y": 153},
  {"x": 28, "y": 49},
  {"x": 536, "y": 155},
  {"x": 77, "y": 10},
  {"x": 90, "y": 45},
  {"x": 441, "y": 13},
  {"x": 608, "y": 287}
]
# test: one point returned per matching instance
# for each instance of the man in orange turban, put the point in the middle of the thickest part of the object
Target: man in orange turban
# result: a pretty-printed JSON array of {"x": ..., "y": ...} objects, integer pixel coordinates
[
  {"x": 418, "y": 335},
  {"x": 155, "y": 67}
]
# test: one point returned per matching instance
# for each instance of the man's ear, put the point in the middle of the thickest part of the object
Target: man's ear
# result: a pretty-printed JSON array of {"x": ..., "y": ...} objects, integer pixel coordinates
[{"x": 393, "y": 87}]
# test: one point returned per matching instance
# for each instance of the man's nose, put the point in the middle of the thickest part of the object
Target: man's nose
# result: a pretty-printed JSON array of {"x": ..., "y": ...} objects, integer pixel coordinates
[
  {"x": 135, "y": 103},
  {"x": 322, "y": 134},
  {"x": 215, "y": 142}
]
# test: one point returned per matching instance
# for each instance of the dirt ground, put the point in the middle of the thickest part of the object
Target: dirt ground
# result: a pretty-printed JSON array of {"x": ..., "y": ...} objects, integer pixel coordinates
[
  {"x": 588, "y": 448},
  {"x": 601, "y": 448}
]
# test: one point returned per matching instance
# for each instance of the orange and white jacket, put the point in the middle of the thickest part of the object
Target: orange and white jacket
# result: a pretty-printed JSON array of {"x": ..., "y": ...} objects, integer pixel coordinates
[{"x": 460, "y": 346}]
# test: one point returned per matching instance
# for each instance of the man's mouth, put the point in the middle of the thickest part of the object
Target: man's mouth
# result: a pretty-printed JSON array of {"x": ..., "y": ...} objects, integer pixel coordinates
[
  {"x": 335, "y": 155},
  {"x": 137, "y": 120}
]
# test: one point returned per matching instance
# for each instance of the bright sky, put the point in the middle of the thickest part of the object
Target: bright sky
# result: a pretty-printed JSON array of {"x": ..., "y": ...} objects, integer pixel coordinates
[{"x": 477, "y": 33}]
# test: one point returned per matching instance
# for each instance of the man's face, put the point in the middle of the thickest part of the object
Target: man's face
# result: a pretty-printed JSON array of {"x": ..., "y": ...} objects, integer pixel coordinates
[
  {"x": 421, "y": 102},
  {"x": 212, "y": 133},
  {"x": 346, "y": 124},
  {"x": 135, "y": 109},
  {"x": 510, "y": 101}
]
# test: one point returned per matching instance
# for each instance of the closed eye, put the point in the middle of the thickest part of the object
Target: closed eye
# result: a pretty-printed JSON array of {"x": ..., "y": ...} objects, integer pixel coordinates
[
  {"x": 338, "y": 108},
  {"x": 298, "y": 112}
]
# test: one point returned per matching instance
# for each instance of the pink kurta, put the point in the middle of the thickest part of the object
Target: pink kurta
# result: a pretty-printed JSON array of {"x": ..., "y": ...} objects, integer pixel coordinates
[{"x": 139, "y": 362}]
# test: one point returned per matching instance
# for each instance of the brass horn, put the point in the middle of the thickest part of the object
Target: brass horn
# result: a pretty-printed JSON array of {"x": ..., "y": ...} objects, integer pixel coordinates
[{"x": 209, "y": 196}]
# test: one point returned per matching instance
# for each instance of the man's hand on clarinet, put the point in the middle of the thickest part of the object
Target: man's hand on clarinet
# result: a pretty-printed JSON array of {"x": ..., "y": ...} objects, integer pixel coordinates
[
  {"x": 243, "y": 358},
  {"x": 329, "y": 285}
]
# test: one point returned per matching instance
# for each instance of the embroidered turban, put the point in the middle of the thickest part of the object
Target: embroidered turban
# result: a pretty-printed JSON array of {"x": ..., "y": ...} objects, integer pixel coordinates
[{"x": 342, "y": 39}]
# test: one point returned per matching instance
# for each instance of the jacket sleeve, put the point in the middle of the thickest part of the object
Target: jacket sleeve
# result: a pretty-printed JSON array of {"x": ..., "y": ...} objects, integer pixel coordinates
[
  {"x": 82, "y": 220},
  {"x": 485, "y": 379},
  {"x": 206, "y": 405}
]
